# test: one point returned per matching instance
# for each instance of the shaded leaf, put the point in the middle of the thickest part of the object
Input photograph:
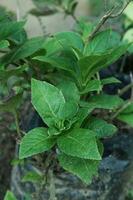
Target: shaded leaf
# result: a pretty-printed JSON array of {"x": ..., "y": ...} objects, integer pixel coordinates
[
  {"x": 101, "y": 127},
  {"x": 127, "y": 115},
  {"x": 93, "y": 85},
  {"x": 43, "y": 12},
  {"x": 9, "y": 28},
  {"x": 105, "y": 101},
  {"x": 12, "y": 104},
  {"x": 110, "y": 80},
  {"x": 5, "y": 74},
  {"x": 83, "y": 112},
  {"x": 127, "y": 118},
  {"x": 27, "y": 49},
  {"x": 92, "y": 64}
]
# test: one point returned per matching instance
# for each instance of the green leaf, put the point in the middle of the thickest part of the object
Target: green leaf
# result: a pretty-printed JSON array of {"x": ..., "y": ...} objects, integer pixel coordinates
[
  {"x": 69, "y": 39},
  {"x": 52, "y": 46},
  {"x": 127, "y": 115},
  {"x": 105, "y": 101},
  {"x": 16, "y": 162},
  {"x": 79, "y": 143},
  {"x": 110, "y": 80},
  {"x": 92, "y": 64},
  {"x": 56, "y": 61},
  {"x": 102, "y": 42},
  {"x": 84, "y": 169},
  {"x": 69, "y": 90},
  {"x": 4, "y": 44},
  {"x": 33, "y": 177},
  {"x": 127, "y": 118},
  {"x": 93, "y": 85},
  {"x": 101, "y": 127},
  {"x": 68, "y": 110},
  {"x": 128, "y": 37},
  {"x": 81, "y": 115},
  {"x": 129, "y": 11},
  {"x": 9, "y": 196},
  {"x": 27, "y": 49},
  {"x": 19, "y": 38},
  {"x": 85, "y": 28},
  {"x": 34, "y": 142},
  {"x": 60, "y": 43},
  {"x": 9, "y": 28},
  {"x": 42, "y": 12},
  {"x": 47, "y": 100},
  {"x": 128, "y": 109}
]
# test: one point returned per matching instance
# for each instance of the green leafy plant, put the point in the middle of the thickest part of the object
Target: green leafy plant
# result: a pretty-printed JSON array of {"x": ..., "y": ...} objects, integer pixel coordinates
[
  {"x": 67, "y": 109},
  {"x": 66, "y": 90}
]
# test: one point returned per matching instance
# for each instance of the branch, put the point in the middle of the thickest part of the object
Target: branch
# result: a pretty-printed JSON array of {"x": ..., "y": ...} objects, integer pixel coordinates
[
  {"x": 52, "y": 189},
  {"x": 125, "y": 89},
  {"x": 108, "y": 15},
  {"x": 120, "y": 110}
]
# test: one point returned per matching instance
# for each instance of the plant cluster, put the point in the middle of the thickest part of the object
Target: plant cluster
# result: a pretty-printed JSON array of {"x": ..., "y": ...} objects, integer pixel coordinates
[{"x": 66, "y": 90}]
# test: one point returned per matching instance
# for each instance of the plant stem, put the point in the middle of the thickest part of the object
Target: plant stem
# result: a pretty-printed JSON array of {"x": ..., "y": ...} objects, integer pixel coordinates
[
  {"x": 17, "y": 124},
  {"x": 108, "y": 15},
  {"x": 121, "y": 109},
  {"x": 125, "y": 89},
  {"x": 18, "y": 10},
  {"x": 98, "y": 78},
  {"x": 52, "y": 190},
  {"x": 42, "y": 26}
]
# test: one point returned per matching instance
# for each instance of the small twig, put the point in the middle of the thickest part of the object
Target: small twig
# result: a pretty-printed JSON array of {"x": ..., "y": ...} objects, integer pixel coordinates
[
  {"x": 122, "y": 10},
  {"x": 17, "y": 124},
  {"x": 52, "y": 190},
  {"x": 108, "y": 15},
  {"x": 42, "y": 26},
  {"x": 131, "y": 77},
  {"x": 121, "y": 109},
  {"x": 101, "y": 23},
  {"x": 74, "y": 18},
  {"x": 61, "y": 8},
  {"x": 18, "y": 10},
  {"x": 125, "y": 89},
  {"x": 123, "y": 62}
]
